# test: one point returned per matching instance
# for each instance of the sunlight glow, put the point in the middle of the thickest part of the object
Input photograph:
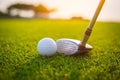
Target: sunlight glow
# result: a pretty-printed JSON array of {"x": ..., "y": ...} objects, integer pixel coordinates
[
  {"x": 69, "y": 8},
  {"x": 84, "y": 8},
  {"x": 14, "y": 12},
  {"x": 26, "y": 14}
]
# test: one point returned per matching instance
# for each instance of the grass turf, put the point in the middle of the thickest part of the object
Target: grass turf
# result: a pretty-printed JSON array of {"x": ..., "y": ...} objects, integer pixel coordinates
[{"x": 19, "y": 59}]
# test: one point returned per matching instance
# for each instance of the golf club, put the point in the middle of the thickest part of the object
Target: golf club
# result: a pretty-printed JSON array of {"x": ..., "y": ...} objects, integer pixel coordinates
[{"x": 76, "y": 47}]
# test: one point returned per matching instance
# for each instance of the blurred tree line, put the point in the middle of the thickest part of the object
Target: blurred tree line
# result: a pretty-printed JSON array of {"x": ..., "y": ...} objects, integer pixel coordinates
[{"x": 40, "y": 11}]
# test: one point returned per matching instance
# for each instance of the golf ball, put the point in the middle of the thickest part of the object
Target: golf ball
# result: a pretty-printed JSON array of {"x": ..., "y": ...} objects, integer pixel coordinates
[{"x": 47, "y": 47}]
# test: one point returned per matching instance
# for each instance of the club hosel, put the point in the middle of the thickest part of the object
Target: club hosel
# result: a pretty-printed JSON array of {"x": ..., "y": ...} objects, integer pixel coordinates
[{"x": 86, "y": 36}]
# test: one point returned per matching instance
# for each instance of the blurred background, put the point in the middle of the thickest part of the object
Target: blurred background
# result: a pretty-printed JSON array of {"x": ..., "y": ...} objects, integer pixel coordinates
[{"x": 59, "y": 9}]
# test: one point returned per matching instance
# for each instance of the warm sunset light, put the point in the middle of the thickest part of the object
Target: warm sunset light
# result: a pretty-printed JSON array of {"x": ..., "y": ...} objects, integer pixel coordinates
[
  {"x": 84, "y": 8},
  {"x": 69, "y": 8},
  {"x": 59, "y": 39}
]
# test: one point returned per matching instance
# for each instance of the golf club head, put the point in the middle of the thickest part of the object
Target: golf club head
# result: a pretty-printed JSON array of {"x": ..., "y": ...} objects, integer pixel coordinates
[{"x": 71, "y": 47}]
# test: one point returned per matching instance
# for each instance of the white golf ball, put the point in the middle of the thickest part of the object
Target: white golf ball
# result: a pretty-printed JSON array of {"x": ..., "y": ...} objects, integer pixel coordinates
[{"x": 47, "y": 47}]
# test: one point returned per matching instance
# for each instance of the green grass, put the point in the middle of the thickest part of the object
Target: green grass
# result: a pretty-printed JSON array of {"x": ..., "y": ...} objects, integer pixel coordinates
[{"x": 19, "y": 59}]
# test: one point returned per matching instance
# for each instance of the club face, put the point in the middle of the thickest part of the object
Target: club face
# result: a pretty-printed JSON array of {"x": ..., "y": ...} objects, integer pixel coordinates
[{"x": 70, "y": 46}]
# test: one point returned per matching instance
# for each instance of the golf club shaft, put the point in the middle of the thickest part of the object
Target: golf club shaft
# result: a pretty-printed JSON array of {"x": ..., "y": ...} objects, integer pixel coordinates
[{"x": 91, "y": 24}]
